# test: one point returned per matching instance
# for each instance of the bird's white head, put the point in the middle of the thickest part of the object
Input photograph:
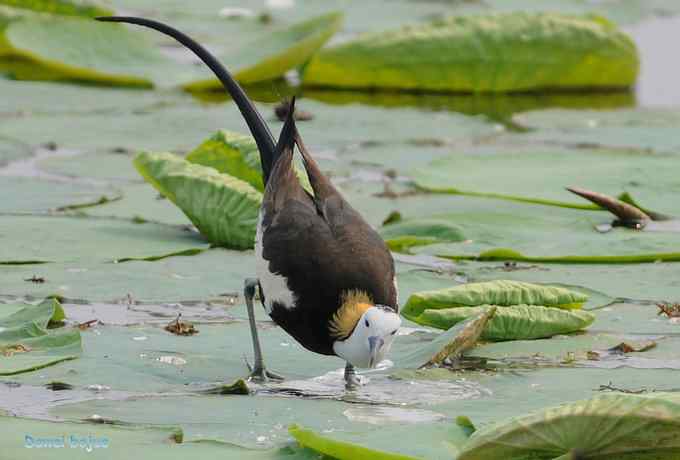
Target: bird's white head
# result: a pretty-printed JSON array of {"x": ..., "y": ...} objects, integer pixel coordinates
[{"x": 364, "y": 331}]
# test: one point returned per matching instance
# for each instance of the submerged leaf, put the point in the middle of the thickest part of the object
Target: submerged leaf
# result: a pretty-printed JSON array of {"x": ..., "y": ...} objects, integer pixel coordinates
[
  {"x": 223, "y": 208},
  {"x": 608, "y": 427},
  {"x": 239, "y": 387},
  {"x": 340, "y": 450},
  {"x": 272, "y": 56},
  {"x": 491, "y": 53},
  {"x": 516, "y": 322},
  {"x": 450, "y": 344}
]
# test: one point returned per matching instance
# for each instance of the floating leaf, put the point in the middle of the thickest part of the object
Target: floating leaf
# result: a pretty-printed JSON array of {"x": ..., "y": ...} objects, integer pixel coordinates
[
  {"x": 340, "y": 450},
  {"x": 609, "y": 171},
  {"x": 499, "y": 292},
  {"x": 509, "y": 254},
  {"x": 60, "y": 7},
  {"x": 223, "y": 208},
  {"x": 272, "y": 56},
  {"x": 491, "y": 53},
  {"x": 516, "y": 322},
  {"x": 608, "y": 427},
  {"x": 70, "y": 48},
  {"x": 26, "y": 332},
  {"x": 402, "y": 235}
]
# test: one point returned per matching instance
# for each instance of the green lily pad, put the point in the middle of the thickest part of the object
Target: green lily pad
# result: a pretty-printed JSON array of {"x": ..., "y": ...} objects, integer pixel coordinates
[
  {"x": 26, "y": 343},
  {"x": 85, "y": 241},
  {"x": 485, "y": 173},
  {"x": 273, "y": 55},
  {"x": 339, "y": 449},
  {"x": 528, "y": 233},
  {"x": 500, "y": 292},
  {"x": 400, "y": 236},
  {"x": 222, "y": 207},
  {"x": 188, "y": 279},
  {"x": 111, "y": 54},
  {"x": 231, "y": 153},
  {"x": 28, "y": 194},
  {"x": 617, "y": 426},
  {"x": 640, "y": 128},
  {"x": 629, "y": 281},
  {"x": 59, "y": 7},
  {"x": 490, "y": 53}
]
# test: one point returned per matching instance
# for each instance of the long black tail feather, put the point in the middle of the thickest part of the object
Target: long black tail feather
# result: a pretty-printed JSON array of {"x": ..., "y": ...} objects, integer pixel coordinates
[
  {"x": 288, "y": 132},
  {"x": 257, "y": 126}
]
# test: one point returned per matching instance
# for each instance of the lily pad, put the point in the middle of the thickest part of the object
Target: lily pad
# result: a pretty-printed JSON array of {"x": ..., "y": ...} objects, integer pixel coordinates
[
  {"x": 491, "y": 53},
  {"x": 222, "y": 207},
  {"x": 84, "y": 241},
  {"x": 400, "y": 236},
  {"x": 273, "y": 55},
  {"x": 647, "y": 177},
  {"x": 527, "y": 233},
  {"x": 28, "y": 194},
  {"x": 27, "y": 344},
  {"x": 59, "y": 7},
  {"x": 173, "y": 280},
  {"x": 617, "y": 426},
  {"x": 111, "y": 54}
]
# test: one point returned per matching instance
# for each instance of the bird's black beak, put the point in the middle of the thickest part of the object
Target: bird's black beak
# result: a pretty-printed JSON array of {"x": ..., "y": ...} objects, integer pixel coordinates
[{"x": 375, "y": 343}]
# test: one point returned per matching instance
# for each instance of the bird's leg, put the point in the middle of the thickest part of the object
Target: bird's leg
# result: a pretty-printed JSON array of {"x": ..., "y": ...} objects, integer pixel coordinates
[
  {"x": 258, "y": 373},
  {"x": 351, "y": 379}
]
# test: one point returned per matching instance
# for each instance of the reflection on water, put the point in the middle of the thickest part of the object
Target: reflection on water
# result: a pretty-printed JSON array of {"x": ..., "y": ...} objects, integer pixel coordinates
[
  {"x": 380, "y": 387},
  {"x": 497, "y": 107}
]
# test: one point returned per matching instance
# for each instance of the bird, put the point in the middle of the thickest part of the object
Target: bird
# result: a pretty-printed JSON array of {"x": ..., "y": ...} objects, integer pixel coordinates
[{"x": 324, "y": 274}]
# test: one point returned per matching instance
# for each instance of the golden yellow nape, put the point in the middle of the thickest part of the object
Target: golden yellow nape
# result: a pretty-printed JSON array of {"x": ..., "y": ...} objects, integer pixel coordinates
[{"x": 354, "y": 305}]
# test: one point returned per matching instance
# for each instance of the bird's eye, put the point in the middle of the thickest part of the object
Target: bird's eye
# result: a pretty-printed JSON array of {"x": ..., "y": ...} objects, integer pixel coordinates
[
  {"x": 393, "y": 332},
  {"x": 366, "y": 323}
]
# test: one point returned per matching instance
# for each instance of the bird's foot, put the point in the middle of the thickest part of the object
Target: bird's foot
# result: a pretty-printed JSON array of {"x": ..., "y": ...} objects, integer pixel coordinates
[
  {"x": 352, "y": 382},
  {"x": 260, "y": 374}
]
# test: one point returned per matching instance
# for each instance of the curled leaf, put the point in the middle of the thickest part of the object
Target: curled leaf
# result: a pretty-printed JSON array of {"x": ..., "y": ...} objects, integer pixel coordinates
[
  {"x": 628, "y": 215},
  {"x": 608, "y": 427},
  {"x": 222, "y": 207}
]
